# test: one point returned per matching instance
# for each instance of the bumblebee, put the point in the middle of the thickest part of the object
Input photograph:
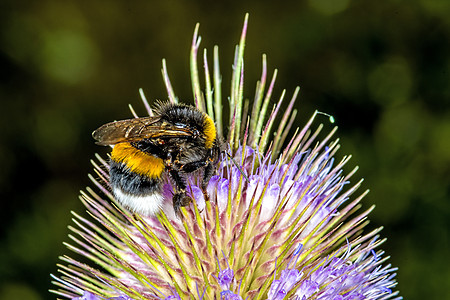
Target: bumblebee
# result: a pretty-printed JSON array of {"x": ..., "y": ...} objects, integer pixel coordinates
[{"x": 178, "y": 140}]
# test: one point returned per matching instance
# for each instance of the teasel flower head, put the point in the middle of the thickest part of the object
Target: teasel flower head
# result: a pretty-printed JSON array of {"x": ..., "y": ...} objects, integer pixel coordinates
[{"x": 282, "y": 220}]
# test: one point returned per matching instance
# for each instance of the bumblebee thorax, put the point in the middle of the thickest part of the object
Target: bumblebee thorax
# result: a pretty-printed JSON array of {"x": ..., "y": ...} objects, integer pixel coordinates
[{"x": 189, "y": 117}]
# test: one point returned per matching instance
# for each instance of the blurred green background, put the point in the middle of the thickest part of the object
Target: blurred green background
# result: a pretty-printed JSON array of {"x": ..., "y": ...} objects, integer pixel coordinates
[{"x": 380, "y": 67}]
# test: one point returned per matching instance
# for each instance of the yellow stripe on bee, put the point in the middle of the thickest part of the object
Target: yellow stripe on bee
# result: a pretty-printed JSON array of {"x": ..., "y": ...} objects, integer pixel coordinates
[
  {"x": 210, "y": 131},
  {"x": 138, "y": 161}
]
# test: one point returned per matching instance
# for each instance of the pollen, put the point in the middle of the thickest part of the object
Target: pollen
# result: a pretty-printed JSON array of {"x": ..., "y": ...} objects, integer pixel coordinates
[
  {"x": 138, "y": 161},
  {"x": 210, "y": 131}
]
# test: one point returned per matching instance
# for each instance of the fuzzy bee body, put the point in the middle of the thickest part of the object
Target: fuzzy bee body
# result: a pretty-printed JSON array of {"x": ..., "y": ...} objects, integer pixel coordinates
[{"x": 177, "y": 141}]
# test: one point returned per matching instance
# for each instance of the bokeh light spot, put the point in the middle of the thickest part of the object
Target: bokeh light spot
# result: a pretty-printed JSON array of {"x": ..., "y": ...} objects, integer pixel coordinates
[
  {"x": 390, "y": 82},
  {"x": 399, "y": 131},
  {"x": 68, "y": 56}
]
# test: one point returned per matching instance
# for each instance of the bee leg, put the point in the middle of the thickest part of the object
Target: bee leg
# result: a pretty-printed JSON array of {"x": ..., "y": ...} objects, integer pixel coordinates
[
  {"x": 192, "y": 166},
  {"x": 207, "y": 174},
  {"x": 180, "y": 198},
  {"x": 209, "y": 169}
]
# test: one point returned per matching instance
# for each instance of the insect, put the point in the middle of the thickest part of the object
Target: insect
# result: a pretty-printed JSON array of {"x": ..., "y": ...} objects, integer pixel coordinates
[{"x": 178, "y": 140}]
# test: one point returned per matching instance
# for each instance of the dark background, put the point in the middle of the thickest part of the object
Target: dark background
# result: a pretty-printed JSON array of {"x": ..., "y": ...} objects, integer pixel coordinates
[{"x": 380, "y": 67}]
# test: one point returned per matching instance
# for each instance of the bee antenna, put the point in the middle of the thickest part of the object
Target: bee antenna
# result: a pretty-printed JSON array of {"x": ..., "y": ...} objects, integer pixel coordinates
[{"x": 239, "y": 168}]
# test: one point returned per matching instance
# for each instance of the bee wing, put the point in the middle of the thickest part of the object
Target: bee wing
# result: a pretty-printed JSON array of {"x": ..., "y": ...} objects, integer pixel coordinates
[{"x": 135, "y": 130}]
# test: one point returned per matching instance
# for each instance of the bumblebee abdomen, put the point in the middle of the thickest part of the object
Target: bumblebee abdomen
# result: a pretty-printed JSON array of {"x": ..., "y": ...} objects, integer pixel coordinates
[
  {"x": 137, "y": 192},
  {"x": 138, "y": 161},
  {"x": 131, "y": 182}
]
